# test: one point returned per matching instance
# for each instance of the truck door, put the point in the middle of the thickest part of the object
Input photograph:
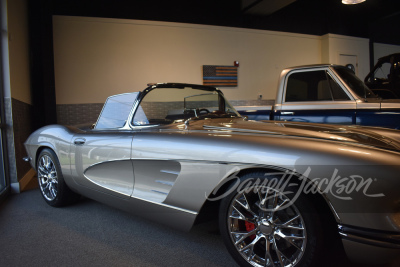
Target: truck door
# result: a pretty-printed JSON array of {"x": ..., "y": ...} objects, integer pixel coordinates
[{"x": 315, "y": 96}]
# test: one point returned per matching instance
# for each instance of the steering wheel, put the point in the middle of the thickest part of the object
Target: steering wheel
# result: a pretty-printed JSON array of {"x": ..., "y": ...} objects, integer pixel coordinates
[{"x": 203, "y": 110}]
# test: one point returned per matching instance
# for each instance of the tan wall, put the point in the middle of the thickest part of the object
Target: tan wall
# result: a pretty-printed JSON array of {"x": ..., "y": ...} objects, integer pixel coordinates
[
  {"x": 18, "y": 47},
  {"x": 96, "y": 57},
  {"x": 333, "y": 45}
]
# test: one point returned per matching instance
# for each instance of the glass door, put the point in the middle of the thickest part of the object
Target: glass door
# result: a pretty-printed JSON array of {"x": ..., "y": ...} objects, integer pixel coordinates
[
  {"x": 4, "y": 184},
  {"x": 2, "y": 174}
]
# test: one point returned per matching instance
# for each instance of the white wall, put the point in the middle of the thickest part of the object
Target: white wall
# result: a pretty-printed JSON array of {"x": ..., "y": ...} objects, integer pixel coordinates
[
  {"x": 381, "y": 50},
  {"x": 96, "y": 57}
]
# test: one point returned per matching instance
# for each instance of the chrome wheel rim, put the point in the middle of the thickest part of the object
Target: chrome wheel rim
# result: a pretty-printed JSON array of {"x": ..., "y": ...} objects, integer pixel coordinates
[
  {"x": 266, "y": 229},
  {"x": 48, "y": 179}
]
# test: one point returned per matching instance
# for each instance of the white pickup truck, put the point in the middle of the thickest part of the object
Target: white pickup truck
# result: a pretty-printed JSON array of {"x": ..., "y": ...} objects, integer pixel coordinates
[{"x": 326, "y": 94}]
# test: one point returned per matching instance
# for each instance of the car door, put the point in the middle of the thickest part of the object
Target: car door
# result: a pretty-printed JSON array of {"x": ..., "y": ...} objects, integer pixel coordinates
[
  {"x": 101, "y": 161},
  {"x": 101, "y": 157},
  {"x": 315, "y": 96},
  {"x": 171, "y": 167}
]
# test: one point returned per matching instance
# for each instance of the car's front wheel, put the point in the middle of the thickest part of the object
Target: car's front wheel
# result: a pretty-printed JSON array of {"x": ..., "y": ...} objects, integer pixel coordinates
[
  {"x": 51, "y": 181},
  {"x": 263, "y": 225}
]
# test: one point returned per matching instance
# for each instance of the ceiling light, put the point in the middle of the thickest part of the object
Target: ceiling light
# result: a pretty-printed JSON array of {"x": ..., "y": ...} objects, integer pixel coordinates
[{"x": 352, "y": 2}]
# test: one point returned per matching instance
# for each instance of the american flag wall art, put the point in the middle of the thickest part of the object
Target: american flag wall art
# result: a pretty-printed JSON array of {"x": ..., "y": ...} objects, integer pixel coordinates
[{"x": 220, "y": 76}]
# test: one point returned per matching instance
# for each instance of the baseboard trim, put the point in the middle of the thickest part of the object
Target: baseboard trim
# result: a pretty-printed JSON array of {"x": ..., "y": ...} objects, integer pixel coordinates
[{"x": 26, "y": 179}]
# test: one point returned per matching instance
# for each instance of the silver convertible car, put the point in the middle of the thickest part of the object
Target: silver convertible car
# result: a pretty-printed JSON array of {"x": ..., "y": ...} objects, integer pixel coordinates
[{"x": 282, "y": 191}]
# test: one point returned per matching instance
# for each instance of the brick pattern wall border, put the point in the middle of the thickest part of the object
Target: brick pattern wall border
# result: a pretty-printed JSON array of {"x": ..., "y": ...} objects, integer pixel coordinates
[{"x": 73, "y": 114}]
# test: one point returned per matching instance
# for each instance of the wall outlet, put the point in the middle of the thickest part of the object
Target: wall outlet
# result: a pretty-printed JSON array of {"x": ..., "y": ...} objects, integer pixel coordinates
[{"x": 259, "y": 97}]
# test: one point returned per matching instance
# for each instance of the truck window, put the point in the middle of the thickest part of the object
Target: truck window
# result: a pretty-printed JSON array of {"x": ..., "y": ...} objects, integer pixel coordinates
[
  {"x": 337, "y": 91},
  {"x": 308, "y": 86},
  {"x": 313, "y": 86},
  {"x": 355, "y": 84}
]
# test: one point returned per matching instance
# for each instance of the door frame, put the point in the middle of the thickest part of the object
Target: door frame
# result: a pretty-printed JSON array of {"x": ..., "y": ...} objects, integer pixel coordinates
[{"x": 3, "y": 123}]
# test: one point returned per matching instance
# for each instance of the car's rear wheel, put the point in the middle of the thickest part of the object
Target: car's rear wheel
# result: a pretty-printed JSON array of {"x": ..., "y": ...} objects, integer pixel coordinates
[
  {"x": 51, "y": 181},
  {"x": 261, "y": 226}
]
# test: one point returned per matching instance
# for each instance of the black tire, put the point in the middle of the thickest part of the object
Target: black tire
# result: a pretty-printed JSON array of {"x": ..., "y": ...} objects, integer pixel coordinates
[
  {"x": 52, "y": 186},
  {"x": 249, "y": 225}
]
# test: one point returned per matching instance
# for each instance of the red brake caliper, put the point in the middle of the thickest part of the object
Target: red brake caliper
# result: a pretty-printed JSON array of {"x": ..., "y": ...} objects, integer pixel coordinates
[{"x": 250, "y": 227}]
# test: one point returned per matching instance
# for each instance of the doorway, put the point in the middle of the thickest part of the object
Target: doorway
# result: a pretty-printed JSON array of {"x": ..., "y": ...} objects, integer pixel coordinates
[
  {"x": 2, "y": 174},
  {"x": 345, "y": 59}
]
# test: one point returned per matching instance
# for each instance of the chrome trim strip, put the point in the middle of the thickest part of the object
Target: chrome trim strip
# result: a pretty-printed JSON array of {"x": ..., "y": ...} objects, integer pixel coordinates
[
  {"x": 165, "y": 182},
  {"x": 368, "y": 105},
  {"x": 390, "y": 105},
  {"x": 128, "y": 124},
  {"x": 149, "y": 201},
  {"x": 239, "y": 130},
  {"x": 98, "y": 163},
  {"x": 106, "y": 161},
  {"x": 318, "y": 105},
  {"x": 166, "y": 205},
  {"x": 252, "y": 108},
  {"x": 218, "y": 162},
  {"x": 388, "y": 113},
  {"x": 156, "y": 191},
  {"x": 128, "y": 195},
  {"x": 170, "y": 172}
]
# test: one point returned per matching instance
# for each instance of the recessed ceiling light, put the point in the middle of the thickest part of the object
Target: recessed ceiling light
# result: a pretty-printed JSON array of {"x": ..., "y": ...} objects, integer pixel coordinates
[{"x": 352, "y": 2}]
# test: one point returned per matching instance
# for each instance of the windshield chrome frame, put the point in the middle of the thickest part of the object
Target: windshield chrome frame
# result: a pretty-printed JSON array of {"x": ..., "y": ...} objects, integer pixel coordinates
[
  {"x": 128, "y": 126},
  {"x": 349, "y": 89},
  {"x": 141, "y": 96}
]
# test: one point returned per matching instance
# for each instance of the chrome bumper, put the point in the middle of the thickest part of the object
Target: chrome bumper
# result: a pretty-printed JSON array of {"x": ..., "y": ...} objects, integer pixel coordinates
[{"x": 27, "y": 159}]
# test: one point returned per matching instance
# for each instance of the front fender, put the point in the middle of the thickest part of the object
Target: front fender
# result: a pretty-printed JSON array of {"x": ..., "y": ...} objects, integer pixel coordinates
[{"x": 57, "y": 138}]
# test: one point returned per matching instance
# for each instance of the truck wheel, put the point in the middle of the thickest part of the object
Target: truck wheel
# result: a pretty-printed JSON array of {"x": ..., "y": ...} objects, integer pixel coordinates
[
  {"x": 51, "y": 181},
  {"x": 261, "y": 226}
]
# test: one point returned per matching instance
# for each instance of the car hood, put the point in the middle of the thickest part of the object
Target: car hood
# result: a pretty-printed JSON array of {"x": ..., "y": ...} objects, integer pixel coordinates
[{"x": 370, "y": 136}]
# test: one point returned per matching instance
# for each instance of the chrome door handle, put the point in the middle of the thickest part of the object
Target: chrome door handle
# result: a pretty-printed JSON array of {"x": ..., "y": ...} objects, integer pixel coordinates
[
  {"x": 287, "y": 113},
  {"x": 79, "y": 141}
]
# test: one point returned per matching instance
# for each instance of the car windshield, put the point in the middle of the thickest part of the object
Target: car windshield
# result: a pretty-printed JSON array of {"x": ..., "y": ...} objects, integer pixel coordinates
[
  {"x": 170, "y": 105},
  {"x": 354, "y": 82},
  {"x": 116, "y": 111},
  {"x": 382, "y": 71}
]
